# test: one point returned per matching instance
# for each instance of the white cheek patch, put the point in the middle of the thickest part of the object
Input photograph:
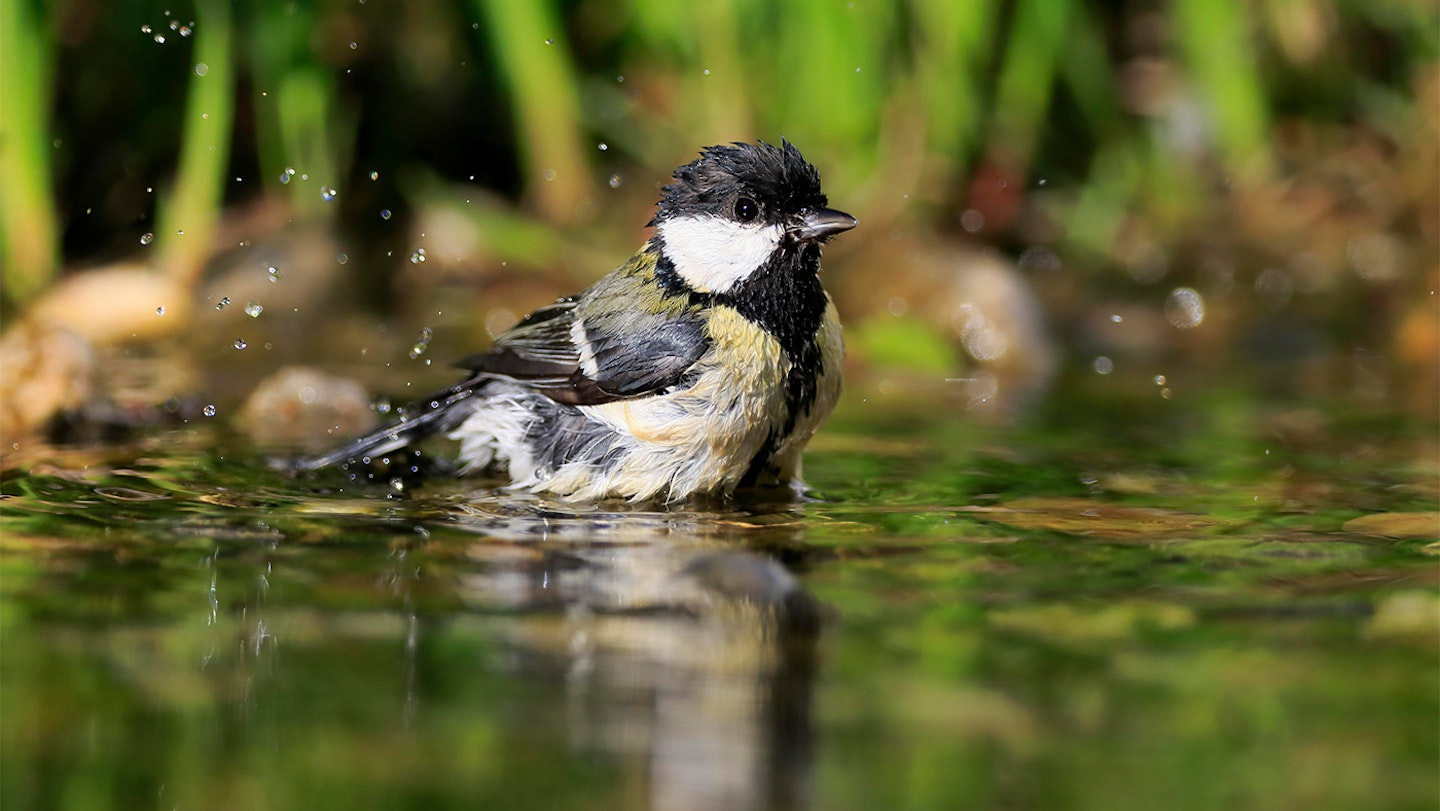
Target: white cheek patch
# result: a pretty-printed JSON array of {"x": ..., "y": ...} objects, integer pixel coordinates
[{"x": 713, "y": 254}]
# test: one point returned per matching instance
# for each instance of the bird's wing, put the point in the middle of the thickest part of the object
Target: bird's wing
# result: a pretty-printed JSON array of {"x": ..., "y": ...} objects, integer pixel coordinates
[
  {"x": 621, "y": 339},
  {"x": 537, "y": 351},
  {"x": 601, "y": 347}
]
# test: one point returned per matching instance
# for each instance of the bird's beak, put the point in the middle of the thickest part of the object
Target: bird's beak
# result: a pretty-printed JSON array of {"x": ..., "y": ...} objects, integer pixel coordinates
[{"x": 823, "y": 223}]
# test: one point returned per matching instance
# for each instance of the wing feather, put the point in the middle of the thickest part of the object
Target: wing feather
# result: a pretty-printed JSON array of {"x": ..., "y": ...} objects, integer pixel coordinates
[{"x": 603, "y": 346}]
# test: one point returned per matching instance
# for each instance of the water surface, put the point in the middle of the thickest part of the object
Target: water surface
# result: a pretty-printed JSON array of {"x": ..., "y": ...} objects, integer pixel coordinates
[{"x": 1216, "y": 600}]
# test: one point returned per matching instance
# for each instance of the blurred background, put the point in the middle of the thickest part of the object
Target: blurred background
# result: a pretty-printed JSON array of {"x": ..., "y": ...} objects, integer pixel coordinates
[
  {"x": 1130, "y": 501},
  {"x": 1046, "y": 188}
]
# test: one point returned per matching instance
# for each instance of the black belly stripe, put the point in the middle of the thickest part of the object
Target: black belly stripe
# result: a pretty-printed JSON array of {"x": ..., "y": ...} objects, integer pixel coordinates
[{"x": 785, "y": 298}]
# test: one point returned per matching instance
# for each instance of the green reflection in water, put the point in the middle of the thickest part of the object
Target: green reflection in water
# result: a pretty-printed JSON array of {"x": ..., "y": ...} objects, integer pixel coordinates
[{"x": 1121, "y": 604}]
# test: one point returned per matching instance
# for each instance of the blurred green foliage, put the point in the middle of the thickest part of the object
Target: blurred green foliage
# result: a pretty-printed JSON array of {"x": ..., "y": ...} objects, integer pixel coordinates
[
  {"x": 1096, "y": 127},
  {"x": 27, "y": 224},
  {"x": 187, "y": 224}
]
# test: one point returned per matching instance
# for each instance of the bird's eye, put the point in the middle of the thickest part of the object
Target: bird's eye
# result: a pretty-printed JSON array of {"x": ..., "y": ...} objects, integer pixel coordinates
[{"x": 746, "y": 210}]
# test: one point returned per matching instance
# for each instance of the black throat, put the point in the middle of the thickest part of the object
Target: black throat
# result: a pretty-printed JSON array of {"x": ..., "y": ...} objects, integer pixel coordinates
[{"x": 785, "y": 298}]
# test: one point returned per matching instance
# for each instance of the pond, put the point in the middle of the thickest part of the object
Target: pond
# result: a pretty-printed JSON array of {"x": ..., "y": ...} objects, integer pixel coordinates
[{"x": 1212, "y": 599}]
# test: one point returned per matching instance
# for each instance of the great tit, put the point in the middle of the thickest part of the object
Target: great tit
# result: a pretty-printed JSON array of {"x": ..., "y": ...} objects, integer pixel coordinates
[{"x": 703, "y": 363}]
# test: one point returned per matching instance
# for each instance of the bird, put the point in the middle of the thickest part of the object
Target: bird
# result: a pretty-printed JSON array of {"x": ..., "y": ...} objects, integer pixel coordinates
[{"x": 702, "y": 364}]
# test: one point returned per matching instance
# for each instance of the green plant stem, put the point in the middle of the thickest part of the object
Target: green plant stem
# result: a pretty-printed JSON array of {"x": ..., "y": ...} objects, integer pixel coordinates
[
  {"x": 190, "y": 214},
  {"x": 1215, "y": 36},
  {"x": 531, "y": 53},
  {"x": 27, "y": 218},
  {"x": 302, "y": 122},
  {"x": 1027, "y": 79}
]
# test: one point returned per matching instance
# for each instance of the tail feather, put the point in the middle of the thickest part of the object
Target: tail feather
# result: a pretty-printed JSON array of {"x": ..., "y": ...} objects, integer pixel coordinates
[{"x": 441, "y": 412}]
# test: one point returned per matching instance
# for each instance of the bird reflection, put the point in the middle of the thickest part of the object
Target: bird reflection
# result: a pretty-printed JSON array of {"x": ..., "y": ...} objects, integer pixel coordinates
[{"x": 678, "y": 646}]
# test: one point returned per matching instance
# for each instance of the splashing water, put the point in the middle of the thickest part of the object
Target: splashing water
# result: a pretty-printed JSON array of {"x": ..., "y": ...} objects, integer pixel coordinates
[{"x": 422, "y": 343}]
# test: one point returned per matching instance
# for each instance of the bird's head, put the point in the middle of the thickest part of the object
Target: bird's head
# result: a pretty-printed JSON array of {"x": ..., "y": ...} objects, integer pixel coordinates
[{"x": 732, "y": 210}]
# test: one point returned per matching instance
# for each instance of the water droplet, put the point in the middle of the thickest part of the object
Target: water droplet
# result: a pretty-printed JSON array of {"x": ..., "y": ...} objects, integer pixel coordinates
[
  {"x": 374, "y": 175},
  {"x": 224, "y": 302},
  {"x": 549, "y": 175},
  {"x": 202, "y": 69},
  {"x": 1274, "y": 287},
  {"x": 707, "y": 71},
  {"x": 620, "y": 79},
  {"x": 1116, "y": 318},
  {"x": 418, "y": 256},
  {"x": 354, "y": 45},
  {"x": 159, "y": 310},
  {"x": 145, "y": 29},
  {"x": 342, "y": 258},
  {"x": 604, "y": 146},
  {"x": 180, "y": 231},
  {"x": 397, "y": 484},
  {"x": 284, "y": 178},
  {"x": 274, "y": 273},
  {"x": 384, "y": 213},
  {"x": 550, "y": 41},
  {"x": 978, "y": 335},
  {"x": 208, "y": 410},
  {"x": 1159, "y": 380},
  {"x": 422, "y": 343},
  {"x": 1038, "y": 258},
  {"x": 253, "y": 310},
  {"x": 174, "y": 25},
  {"x": 160, "y": 38},
  {"x": 240, "y": 343},
  {"x": 185, "y": 30},
  {"x": 615, "y": 181},
  {"x": 327, "y": 194},
  {"x": 972, "y": 220},
  {"x": 1104, "y": 365},
  {"x": 147, "y": 238},
  {"x": 1185, "y": 308}
]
